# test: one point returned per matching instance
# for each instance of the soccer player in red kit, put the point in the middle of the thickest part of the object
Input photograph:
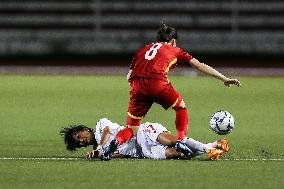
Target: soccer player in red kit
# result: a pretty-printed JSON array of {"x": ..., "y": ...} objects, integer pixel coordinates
[{"x": 149, "y": 83}]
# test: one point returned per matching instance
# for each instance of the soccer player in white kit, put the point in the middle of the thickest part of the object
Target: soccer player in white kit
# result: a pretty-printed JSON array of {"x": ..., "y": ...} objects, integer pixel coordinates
[{"x": 150, "y": 142}]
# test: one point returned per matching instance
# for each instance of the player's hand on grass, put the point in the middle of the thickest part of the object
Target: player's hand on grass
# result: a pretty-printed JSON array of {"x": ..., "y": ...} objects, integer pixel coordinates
[
  {"x": 92, "y": 154},
  {"x": 228, "y": 82}
]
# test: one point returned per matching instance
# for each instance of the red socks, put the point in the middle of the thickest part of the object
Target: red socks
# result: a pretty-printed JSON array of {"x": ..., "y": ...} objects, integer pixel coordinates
[
  {"x": 124, "y": 135},
  {"x": 181, "y": 123}
]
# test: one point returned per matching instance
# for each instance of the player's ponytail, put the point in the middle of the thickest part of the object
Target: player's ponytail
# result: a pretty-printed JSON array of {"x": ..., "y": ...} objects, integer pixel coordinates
[{"x": 166, "y": 33}]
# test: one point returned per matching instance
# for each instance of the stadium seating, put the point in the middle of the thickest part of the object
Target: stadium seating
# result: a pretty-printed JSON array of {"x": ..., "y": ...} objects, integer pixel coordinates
[{"x": 110, "y": 26}]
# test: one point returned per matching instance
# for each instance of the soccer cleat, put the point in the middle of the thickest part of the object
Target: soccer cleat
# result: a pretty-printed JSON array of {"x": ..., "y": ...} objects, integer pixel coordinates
[
  {"x": 106, "y": 155},
  {"x": 215, "y": 154},
  {"x": 182, "y": 147},
  {"x": 223, "y": 144}
]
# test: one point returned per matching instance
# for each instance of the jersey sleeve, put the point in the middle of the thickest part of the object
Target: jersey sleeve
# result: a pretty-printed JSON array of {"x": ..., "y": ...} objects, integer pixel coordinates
[
  {"x": 183, "y": 57},
  {"x": 104, "y": 122}
]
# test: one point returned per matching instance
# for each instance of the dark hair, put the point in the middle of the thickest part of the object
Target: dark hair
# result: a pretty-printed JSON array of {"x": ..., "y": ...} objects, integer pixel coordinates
[
  {"x": 69, "y": 133},
  {"x": 166, "y": 33}
]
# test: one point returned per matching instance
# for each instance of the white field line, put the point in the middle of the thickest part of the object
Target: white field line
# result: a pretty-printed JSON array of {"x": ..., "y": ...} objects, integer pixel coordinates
[
  {"x": 76, "y": 158},
  {"x": 237, "y": 159},
  {"x": 41, "y": 158}
]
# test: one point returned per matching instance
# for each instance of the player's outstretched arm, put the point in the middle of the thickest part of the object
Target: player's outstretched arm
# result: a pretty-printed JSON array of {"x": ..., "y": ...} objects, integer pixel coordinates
[
  {"x": 211, "y": 71},
  {"x": 103, "y": 141}
]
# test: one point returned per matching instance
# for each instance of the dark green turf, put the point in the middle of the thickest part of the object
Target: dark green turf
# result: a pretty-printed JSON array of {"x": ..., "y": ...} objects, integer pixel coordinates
[{"x": 34, "y": 108}]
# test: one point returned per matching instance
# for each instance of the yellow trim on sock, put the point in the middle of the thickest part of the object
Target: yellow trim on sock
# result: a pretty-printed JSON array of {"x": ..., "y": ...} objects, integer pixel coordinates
[{"x": 133, "y": 116}]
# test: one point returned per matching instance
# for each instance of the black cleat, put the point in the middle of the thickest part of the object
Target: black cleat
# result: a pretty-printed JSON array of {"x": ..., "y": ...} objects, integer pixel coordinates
[
  {"x": 107, "y": 154},
  {"x": 105, "y": 158},
  {"x": 182, "y": 147}
]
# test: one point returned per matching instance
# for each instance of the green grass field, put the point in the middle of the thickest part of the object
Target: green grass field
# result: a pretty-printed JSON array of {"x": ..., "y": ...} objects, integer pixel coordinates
[{"x": 34, "y": 108}]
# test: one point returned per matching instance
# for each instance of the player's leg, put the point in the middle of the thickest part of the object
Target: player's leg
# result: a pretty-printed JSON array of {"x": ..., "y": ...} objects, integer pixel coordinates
[
  {"x": 154, "y": 141},
  {"x": 181, "y": 123},
  {"x": 214, "y": 150},
  {"x": 182, "y": 119},
  {"x": 137, "y": 108},
  {"x": 197, "y": 148},
  {"x": 168, "y": 139},
  {"x": 172, "y": 153},
  {"x": 168, "y": 97},
  {"x": 195, "y": 145}
]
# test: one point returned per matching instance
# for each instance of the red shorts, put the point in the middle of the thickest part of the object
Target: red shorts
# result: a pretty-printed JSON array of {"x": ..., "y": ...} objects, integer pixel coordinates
[{"x": 144, "y": 92}]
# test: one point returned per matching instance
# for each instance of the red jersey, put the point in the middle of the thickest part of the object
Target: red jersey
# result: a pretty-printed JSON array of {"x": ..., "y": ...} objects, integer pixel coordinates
[{"x": 155, "y": 60}]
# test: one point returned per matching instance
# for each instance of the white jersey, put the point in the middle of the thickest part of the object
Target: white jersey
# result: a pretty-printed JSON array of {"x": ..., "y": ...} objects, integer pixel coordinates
[
  {"x": 147, "y": 136},
  {"x": 128, "y": 148}
]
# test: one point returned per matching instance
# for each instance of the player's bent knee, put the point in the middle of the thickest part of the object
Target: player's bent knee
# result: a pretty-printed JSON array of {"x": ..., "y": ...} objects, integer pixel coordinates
[{"x": 167, "y": 139}]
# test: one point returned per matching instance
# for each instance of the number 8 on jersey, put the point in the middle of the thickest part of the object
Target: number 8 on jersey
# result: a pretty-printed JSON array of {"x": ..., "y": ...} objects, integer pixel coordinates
[{"x": 151, "y": 53}]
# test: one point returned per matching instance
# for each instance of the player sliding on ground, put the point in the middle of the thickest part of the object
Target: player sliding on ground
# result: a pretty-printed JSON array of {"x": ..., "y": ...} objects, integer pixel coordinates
[
  {"x": 151, "y": 141},
  {"x": 149, "y": 83}
]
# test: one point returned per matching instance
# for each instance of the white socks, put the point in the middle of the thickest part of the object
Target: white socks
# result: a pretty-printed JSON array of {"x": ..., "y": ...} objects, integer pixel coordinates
[
  {"x": 197, "y": 146},
  {"x": 212, "y": 144}
]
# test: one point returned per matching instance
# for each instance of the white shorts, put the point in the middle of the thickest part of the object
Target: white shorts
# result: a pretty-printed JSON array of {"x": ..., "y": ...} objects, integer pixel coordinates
[{"x": 147, "y": 141}]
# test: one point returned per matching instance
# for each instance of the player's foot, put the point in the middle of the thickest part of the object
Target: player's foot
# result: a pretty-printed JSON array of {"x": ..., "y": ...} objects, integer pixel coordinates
[
  {"x": 106, "y": 155},
  {"x": 182, "y": 147},
  {"x": 223, "y": 144},
  {"x": 215, "y": 154}
]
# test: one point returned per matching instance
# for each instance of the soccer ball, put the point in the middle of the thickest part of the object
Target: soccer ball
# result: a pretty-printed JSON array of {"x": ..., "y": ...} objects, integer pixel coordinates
[{"x": 222, "y": 122}]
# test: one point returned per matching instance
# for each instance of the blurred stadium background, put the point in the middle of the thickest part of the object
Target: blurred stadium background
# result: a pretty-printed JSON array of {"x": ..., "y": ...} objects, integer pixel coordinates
[{"x": 72, "y": 36}]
